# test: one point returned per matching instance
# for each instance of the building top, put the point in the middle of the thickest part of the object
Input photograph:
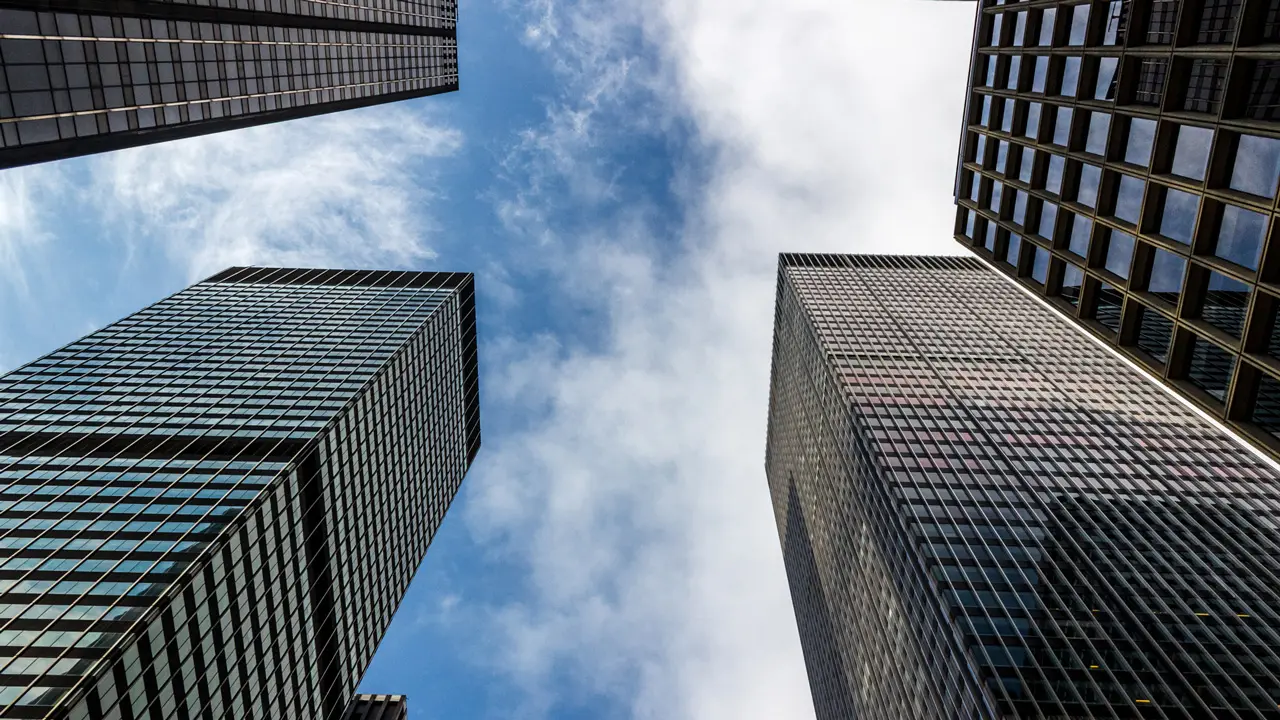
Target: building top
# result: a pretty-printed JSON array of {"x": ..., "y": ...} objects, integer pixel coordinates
[
  {"x": 936, "y": 262},
  {"x": 324, "y": 276}
]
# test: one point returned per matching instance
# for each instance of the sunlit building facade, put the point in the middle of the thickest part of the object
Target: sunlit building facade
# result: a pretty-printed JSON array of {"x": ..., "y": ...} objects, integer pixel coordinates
[
  {"x": 82, "y": 76},
  {"x": 213, "y": 507},
  {"x": 378, "y": 707},
  {"x": 984, "y": 513},
  {"x": 1121, "y": 157}
]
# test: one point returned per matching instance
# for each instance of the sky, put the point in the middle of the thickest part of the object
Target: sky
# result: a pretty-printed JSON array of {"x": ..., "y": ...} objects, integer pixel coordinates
[{"x": 621, "y": 177}]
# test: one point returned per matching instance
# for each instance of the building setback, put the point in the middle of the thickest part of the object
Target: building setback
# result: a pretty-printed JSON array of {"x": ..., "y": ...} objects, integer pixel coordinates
[
  {"x": 84, "y": 76},
  {"x": 1121, "y": 158},
  {"x": 212, "y": 507},
  {"x": 985, "y": 514},
  {"x": 377, "y": 707}
]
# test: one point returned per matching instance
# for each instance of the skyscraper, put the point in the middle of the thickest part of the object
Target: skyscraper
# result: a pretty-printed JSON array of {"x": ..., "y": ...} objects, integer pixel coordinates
[
  {"x": 211, "y": 508},
  {"x": 1122, "y": 157},
  {"x": 986, "y": 514},
  {"x": 83, "y": 76},
  {"x": 377, "y": 707}
]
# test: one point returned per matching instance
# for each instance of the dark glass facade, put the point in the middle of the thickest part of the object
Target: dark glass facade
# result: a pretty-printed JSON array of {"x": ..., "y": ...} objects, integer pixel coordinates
[
  {"x": 985, "y": 514},
  {"x": 1135, "y": 145},
  {"x": 377, "y": 707},
  {"x": 212, "y": 507},
  {"x": 84, "y": 76}
]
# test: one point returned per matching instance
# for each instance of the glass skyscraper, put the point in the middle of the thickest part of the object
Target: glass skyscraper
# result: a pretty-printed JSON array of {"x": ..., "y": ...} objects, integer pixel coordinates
[
  {"x": 84, "y": 76},
  {"x": 1122, "y": 158},
  {"x": 377, "y": 707},
  {"x": 212, "y": 507},
  {"x": 986, "y": 514}
]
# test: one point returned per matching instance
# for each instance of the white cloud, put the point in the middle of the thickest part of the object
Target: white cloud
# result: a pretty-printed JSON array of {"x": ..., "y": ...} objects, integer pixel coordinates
[
  {"x": 637, "y": 500},
  {"x": 347, "y": 189},
  {"x": 22, "y": 226}
]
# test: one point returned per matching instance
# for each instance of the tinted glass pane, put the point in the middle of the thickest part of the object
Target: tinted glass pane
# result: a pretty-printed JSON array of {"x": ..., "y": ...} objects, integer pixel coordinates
[
  {"x": 1081, "y": 226},
  {"x": 980, "y": 150},
  {"x": 1154, "y": 333},
  {"x": 1011, "y": 252},
  {"x": 1062, "y": 127},
  {"x": 992, "y": 64},
  {"x": 1006, "y": 116},
  {"x": 1015, "y": 71},
  {"x": 1119, "y": 253},
  {"x": 1105, "y": 89},
  {"x": 1019, "y": 207},
  {"x": 1179, "y": 218},
  {"x": 1099, "y": 126},
  {"x": 1079, "y": 24},
  {"x": 1106, "y": 308},
  {"x": 1028, "y": 164},
  {"x": 1257, "y": 166},
  {"x": 1046, "y": 26},
  {"x": 1040, "y": 74},
  {"x": 1191, "y": 153},
  {"x": 1129, "y": 199},
  {"x": 1142, "y": 135},
  {"x": 1225, "y": 304},
  {"x": 1020, "y": 29},
  {"x": 997, "y": 190},
  {"x": 1266, "y": 408},
  {"x": 1053, "y": 179},
  {"x": 1087, "y": 193},
  {"x": 968, "y": 224},
  {"x": 1070, "y": 76},
  {"x": 975, "y": 186},
  {"x": 1211, "y": 368},
  {"x": 1032, "y": 129},
  {"x": 984, "y": 116},
  {"x": 1002, "y": 155},
  {"x": 1240, "y": 236},
  {"x": 1072, "y": 281},
  {"x": 1167, "y": 272},
  {"x": 989, "y": 242},
  {"x": 1048, "y": 219},
  {"x": 1040, "y": 265}
]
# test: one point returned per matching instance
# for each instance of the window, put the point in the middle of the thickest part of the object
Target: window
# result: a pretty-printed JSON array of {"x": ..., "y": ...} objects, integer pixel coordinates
[
  {"x": 1048, "y": 219},
  {"x": 1105, "y": 89},
  {"x": 1070, "y": 76},
  {"x": 975, "y": 185},
  {"x": 989, "y": 242},
  {"x": 1163, "y": 19},
  {"x": 1053, "y": 179},
  {"x": 1096, "y": 141},
  {"x": 1204, "y": 88},
  {"x": 1257, "y": 166},
  {"x": 1225, "y": 303},
  {"x": 1107, "y": 303},
  {"x": 984, "y": 116},
  {"x": 1011, "y": 252},
  {"x": 1032, "y": 129},
  {"x": 1039, "y": 264},
  {"x": 993, "y": 61},
  {"x": 1119, "y": 253},
  {"x": 969, "y": 224},
  {"x": 1117, "y": 17},
  {"x": 980, "y": 150},
  {"x": 1142, "y": 136},
  {"x": 1078, "y": 243},
  {"x": 1046, "y": 26},
  {"x": 1062, "y": 126},
  {"x": 997, "y": 188},
  {"x": 1167, "y": 271},
  {"x": 1154, "y": 331},
  {"x": 1266, "y": 407},
  {"x": 1240, "y": 236},
  {"x": 1218, "y": 21},
  {"x": 1191, "y": 152},
  {"x": 997, "y": 23},
  {"x": 1027, "y": 165},
  {"x": 1019, "y": 207},
  {"x": 1006, "y": 116},
  {"x": 1264, "y": 90},
  {"x": 1210, "y": 368},
  {"x": 1041, "y": 71},
  {"x": 1079, "y": 24},
  {"x": 1087, "y": 190},
  {"x": 1072, "y": 281},
  {"x": 1002, "y": 155},
  {"x": 1178, "y": 220},
  {"x": 1129, "y": 199},
  {"x": 1020, "y": 28},
  {"x": 1015, "y": 71},
  {"x": 1151, "y": 75}
]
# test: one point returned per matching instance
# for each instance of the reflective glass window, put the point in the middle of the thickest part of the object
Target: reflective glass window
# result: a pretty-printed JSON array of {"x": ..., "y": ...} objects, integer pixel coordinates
[
  {"x": 1019, "y": 207},
  {"x": 1129, "y": 199},
  {"x": 1154, "y": 332},
  {"x": 1027, "y": 164},
  {"x": 1167, "y": 274},
  {"x": 1048, "y": 219},
  {"x": 1107, "y": 303},
  {"x": 1225, "y": 304},
  {"x": 1178, "y": 221},
  {"x": 1040, "y": 74},
  {"x": 1257, "y": 166},
  {"x": 1142, "y": 136},
  {"x": 1039, "y": 264},
  {"x": 1266, "y": 408},
  {"x": 1210, "y": 368},
  {"x": 1079, "y": 24},
  {"x": 968, "y": 224},
  {"x": 1072, "y": 281},
  {"x": 1032, "y": 129},
  {"x": 1015, "y": 72},
  {"x": 1070, "y": 76},
  {"x": 1099, "y": 126},
  {"x": 992, "y": 64},
  {"x": 1015, "y": 247},
  {"x": 1002, "y": 155},
  {"x": 1117, "y": 15},
  {"x": 984, "y": 116},
  {"x": 1062, "y": 126},
  {"x": 997, "y": 190},
  {"x": 1053, "y": 179},
  {"x": 1081, "y": 228},
  {"x": 1090, "y": 176},
  {"x": 1119, "y": 253},
  {"x": 1006, "y": 117},
  {"x": 1046, "y": 26},
  {"x": 1105, "y": 89},
  {"x": 989, "y": 241},
  {"x": 1020, "y": 29},
  {"x": 1240, "y": 236},
  {"x": 1191, "y": 152}
]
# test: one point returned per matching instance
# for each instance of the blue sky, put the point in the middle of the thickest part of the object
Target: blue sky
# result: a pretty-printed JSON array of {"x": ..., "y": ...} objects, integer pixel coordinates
[{"x": 620, "y": 175}]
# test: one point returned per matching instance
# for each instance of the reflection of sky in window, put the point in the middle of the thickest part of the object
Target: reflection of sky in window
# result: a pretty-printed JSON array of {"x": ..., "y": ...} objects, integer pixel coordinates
[
  {"x": 1011, "y": 253},
  {"x": 1167, "y": 270},
  {"x": 1040, "y": 265},
  {"x": 1240, "y": 236},
  {"x": 1028, "y": 162},
  {"x": 1072, "y": 281},
  {"x": 1154, "y": 333},
  {"x": 997, "y": 188},
  {"x": 1002, "y": 155},
  {"x": 1079, "y": 24},
  {"x": 1046, "y": 25},
  {"x": 1115, "y": 19},
  {"x": 1081, "y": 226},
  {"x": 1142, "y": 135},
  {"x": 968, "y": 224},
  {"x": 1019, "y": 207},
  {"x": 1088, "y": 191},
  {"x": 990, "y": 241},
  {"x": 1257, "y": 166},
  {"x": 1006, "y": 119},
  {"x": 1033, "y": 120},
  {"x": 1070, "y": 76},
  {"x": 1020, "y": 29},
  {"x": 1062, "y": 126},
  {"x": 1106, "y": 75},
  {"x": 1210, "y": 367},
  {"x": 985, "y": 118},
  {"x": 975, "y": 184},
  {"x": 1119, "y": 253},
  {"x": 980, "y": 149},
  {"x": 1041, "y": 72},
  {"x": 1225, "y": 304},
  {"x": 1015, "y": 69},
  {"x": 1179, "y": 218},
  {"x": 1096, "y": 142},
  {"x": 1053, "y": 181},
  {"x": 991, "y": 70},
  {"x": 995, "y": 29},
  {"x": 1129, "y": 199},
  {"x": 1191, "y": 153},
  {"x": 1048, "y": 218}
]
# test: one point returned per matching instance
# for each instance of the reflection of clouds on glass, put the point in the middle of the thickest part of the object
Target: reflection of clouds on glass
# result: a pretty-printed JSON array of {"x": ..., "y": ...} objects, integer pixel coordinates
[
  {"x": 1080, "y": 229},
  {"x": 1002, "y": 154},
  {"x": 1142, "y": 135},
  {"x": 1070, "y": 76},
  {"x": 1087, "y": 194},
  {"x": 1119, "y": 253},
  {"x": 1019, "y": 207},
  {"x": 1040, "y": 265},
  {"x": 1191, "y": 153},
  {"x": 1072, "y": 281},
  {"x": 997, "y": 189},
  {"x": 1257, "y": 166},
  {"x": 1041, "y": 72},
  {"x": 1046, "y": 26},
  {"x": 1105, "y": 90},
  {"x": 1048, "y": 218},
  {"x": 1033, "y": 120},
  {"x": 1129, "y": 199},
  {"x": 1028, "y": 164},
  {"x": 1062, "y": 127},
  {"x": 1167, "y": 270},
  {"x": 1079, "y": 24},
  {"x": 1240, "y": 236},
  {"x": 1015, "y": 69},
  {"x": 1096, "y": 142},
  {"x": 1015, "y": 245},
  {"x": 1053, "y": 182},
  {"x": 1179, "y": 218}
]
